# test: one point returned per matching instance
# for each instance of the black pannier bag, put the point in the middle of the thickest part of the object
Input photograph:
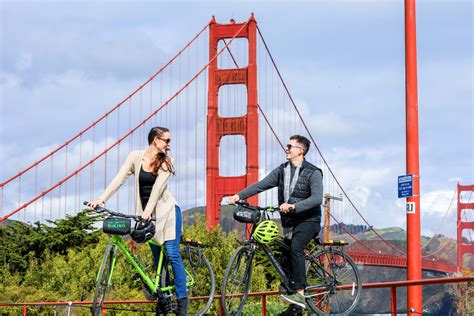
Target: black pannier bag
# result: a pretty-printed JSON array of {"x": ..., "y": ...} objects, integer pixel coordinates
[
  {"x": 246, "y": 215},
  {"x": 117, "y": 226}
]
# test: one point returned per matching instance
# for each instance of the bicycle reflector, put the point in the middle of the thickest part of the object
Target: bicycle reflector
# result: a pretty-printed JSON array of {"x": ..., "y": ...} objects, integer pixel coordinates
[
  {"x": 143, "y": 231},
  {"x": 266, "y": 232}
]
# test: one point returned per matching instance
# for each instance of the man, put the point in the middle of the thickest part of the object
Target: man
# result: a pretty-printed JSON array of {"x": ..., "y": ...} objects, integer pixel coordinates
[{"x": 300, "y": 195}]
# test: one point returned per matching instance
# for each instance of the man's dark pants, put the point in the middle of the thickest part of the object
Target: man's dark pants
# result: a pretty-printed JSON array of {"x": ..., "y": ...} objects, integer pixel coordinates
[{"x": 292, "y": 260}]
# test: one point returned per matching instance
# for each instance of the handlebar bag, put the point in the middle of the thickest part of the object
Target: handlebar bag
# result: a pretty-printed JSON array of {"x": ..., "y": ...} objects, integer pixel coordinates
[
  {"x": 117, "y": 226},
  {"x": 244, "y": 214}
]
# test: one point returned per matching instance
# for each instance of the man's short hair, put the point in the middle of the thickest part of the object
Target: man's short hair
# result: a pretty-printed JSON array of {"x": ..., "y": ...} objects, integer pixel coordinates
[{"x": 303, "y": 141}]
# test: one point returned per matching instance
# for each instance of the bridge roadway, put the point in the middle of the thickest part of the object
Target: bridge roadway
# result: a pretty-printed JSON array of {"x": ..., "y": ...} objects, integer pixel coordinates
[{"x": 384, "y": 260}]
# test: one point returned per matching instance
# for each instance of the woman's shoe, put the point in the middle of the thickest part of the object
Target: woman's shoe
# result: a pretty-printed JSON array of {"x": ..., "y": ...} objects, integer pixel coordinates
[{"x": 182, "y": 309}]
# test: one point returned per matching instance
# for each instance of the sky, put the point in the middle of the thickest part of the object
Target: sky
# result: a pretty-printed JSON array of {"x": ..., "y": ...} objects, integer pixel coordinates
[{"x": 65, "y": 63}]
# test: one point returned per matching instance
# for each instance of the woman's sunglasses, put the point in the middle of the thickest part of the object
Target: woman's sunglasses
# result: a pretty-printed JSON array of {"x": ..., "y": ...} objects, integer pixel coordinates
[{"x": 166, "y": 140}]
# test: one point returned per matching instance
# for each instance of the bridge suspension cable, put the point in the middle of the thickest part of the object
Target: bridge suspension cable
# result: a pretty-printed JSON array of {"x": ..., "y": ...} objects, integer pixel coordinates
[
  {"x": 439, "y": 226},
  {"x": 317, "y": 147},
  {"x": 131, "y": 131},
  {"x": 35, "y": 164}
]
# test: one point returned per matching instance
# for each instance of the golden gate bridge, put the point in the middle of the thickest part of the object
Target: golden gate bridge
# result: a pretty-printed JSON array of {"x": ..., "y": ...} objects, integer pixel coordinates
[{"x": 229, "y": 109}]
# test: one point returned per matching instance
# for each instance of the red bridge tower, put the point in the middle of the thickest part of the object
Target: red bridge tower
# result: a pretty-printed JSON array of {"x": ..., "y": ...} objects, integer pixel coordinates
[
  {"x": 247, "y": 125},
  {"x": 463, "y": 248}
]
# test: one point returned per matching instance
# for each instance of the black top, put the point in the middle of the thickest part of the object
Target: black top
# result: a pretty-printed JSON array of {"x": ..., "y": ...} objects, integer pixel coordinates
[{"x": 146, "y": 180}]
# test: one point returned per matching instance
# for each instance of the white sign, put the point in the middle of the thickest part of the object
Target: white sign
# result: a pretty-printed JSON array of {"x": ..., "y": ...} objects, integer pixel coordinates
[{"x": 411, "y": 207}]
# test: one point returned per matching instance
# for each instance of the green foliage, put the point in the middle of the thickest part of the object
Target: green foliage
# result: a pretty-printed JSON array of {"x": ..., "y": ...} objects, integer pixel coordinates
[{"x": 21, "y": 243}]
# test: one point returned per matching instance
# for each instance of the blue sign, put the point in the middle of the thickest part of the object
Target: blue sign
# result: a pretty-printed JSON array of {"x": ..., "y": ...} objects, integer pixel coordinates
[{"x": 405, "y": 186}]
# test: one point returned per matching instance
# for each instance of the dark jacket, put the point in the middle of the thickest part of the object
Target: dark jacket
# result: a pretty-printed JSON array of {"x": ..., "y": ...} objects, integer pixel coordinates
[
  {"x": 300, "y": 192},
  {"x": 307, "y": 194}
]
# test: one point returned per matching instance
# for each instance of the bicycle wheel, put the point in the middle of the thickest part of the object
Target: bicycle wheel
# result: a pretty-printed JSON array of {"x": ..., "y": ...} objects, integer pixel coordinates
[
  {"x": 334, "y": 284},
  {"x": 103, "y": 279},
  {"x": 201, "y": 292},
  {"x": 236, "y": 281}
]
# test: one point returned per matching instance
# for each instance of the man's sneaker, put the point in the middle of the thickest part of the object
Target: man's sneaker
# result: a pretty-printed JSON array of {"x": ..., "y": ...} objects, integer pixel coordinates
[
  {"x": 292, "y": 310},
  {"x": 283, "y": 290},
  {"x": 296, "y": 299}
]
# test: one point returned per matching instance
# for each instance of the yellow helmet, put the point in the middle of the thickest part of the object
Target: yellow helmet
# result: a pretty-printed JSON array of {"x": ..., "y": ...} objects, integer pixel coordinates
[{"x": 266, "y": 232}]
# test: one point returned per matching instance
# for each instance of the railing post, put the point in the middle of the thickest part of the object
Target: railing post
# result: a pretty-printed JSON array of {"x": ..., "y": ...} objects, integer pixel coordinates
[
  {"x": 24, "y": 310},
  {"x": 393, "y": 298},
  {"x": 264, "y": 305},
  {"x": 221, "y": 310}
]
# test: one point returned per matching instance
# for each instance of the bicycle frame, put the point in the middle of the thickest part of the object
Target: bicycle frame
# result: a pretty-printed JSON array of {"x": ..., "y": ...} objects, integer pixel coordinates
[
  {"x": 153, "y": 286},
  {"x": 278, "y": 266},
  {"x": 269, "y": 253}
]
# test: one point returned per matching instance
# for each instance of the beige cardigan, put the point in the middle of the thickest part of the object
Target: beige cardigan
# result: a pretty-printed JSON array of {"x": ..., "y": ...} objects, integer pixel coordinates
[{"x": 161, "y": 201}]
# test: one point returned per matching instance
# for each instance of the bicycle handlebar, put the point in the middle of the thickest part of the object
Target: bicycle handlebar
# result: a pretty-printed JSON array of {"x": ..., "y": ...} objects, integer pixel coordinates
[
  {"x": 259, "y": 208},
  {"x": 101, "y": 209}
]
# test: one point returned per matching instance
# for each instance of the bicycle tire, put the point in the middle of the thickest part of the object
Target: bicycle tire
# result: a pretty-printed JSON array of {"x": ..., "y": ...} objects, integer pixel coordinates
[
  {"x": 236, "y": 283},
  {"x": 103, "y": 279},
  {"x": 197, "y": 264},
  {"x": 326, "y": 271}
]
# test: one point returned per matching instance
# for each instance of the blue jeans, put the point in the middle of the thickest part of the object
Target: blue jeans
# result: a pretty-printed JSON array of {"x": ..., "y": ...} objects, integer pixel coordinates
[{"x": 172, "y": 252}]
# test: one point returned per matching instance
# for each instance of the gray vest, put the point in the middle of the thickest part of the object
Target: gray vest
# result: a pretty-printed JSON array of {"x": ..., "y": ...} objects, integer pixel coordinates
[{"x": 300, "y": 192}]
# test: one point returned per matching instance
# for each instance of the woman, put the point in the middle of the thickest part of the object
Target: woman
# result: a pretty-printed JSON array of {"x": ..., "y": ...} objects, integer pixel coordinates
[{"x": 152, "y": 168}]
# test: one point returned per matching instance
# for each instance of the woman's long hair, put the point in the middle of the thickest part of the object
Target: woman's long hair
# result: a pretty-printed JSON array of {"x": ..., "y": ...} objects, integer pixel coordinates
[{"x": 162, "y": 160}]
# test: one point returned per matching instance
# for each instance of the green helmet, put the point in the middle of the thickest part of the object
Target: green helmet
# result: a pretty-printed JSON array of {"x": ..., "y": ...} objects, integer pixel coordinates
[{"x": 266, "y": 232}]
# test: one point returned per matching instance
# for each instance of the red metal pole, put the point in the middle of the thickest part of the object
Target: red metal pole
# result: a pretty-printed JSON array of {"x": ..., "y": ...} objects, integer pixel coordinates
[
  {"x": 393, "y": 294},
  {"x": 414, "y": 294},
  {"x": 264, "y": 305},
  {"x": 24, "y": 310}
]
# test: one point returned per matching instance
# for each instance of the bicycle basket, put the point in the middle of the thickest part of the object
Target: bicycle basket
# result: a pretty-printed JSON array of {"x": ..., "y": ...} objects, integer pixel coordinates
[
  {"x": 117, "y": 226},
  {"x": 243, "y": 214}
]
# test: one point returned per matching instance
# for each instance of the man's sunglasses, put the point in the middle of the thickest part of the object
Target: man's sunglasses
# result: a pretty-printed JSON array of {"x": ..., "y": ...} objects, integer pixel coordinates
[{"x": 289, "y": 146}]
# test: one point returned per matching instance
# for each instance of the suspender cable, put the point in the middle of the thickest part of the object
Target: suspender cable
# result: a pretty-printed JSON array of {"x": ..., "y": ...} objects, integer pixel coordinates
[
  {"x": 94, "y": 159},
  {"x": 317, "y": 147},
  {"x": 109, "y": 112},
  {"x": 51, "y": 183},
  {"x": 65, "y": 186}
]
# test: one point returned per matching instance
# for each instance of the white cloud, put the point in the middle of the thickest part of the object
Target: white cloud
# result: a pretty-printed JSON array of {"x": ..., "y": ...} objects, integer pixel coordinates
[
  {"x": 64, "y": 68},
  {"x": 437, "y": 202}
]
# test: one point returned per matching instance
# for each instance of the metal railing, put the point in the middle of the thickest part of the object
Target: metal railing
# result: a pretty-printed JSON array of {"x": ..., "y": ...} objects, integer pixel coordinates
[{"x": 392, "y": 285}]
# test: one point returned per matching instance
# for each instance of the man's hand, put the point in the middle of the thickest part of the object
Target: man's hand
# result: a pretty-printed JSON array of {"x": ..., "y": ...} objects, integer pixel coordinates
[
  {"x": 286, "y": 208},
  {"x": 232, "y": 199}
]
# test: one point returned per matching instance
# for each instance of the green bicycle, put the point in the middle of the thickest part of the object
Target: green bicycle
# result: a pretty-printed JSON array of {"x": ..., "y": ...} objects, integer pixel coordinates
[
  {"x": 200, "y": 280},
  {"x": 333, "y": 282}
]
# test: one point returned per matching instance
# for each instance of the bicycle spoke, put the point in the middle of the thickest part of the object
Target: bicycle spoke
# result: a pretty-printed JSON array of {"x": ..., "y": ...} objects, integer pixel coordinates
[
  {"x": 200, "y": 289},
  {"x": 103, "y": 279},
  {"x": 236, "y": 282},
  {"x": 334, "y": 283}
]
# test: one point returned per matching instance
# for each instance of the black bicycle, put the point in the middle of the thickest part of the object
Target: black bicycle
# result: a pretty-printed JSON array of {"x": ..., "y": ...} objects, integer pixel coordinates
[{"x": 333, "y": 281}]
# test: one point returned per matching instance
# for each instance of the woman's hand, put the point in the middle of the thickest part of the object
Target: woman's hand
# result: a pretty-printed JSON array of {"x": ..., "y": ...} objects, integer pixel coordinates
[
  {"x": 232, "y": 199},
  {"x": 96, "y": 203},
  {"x": 146, "y": 215}
]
